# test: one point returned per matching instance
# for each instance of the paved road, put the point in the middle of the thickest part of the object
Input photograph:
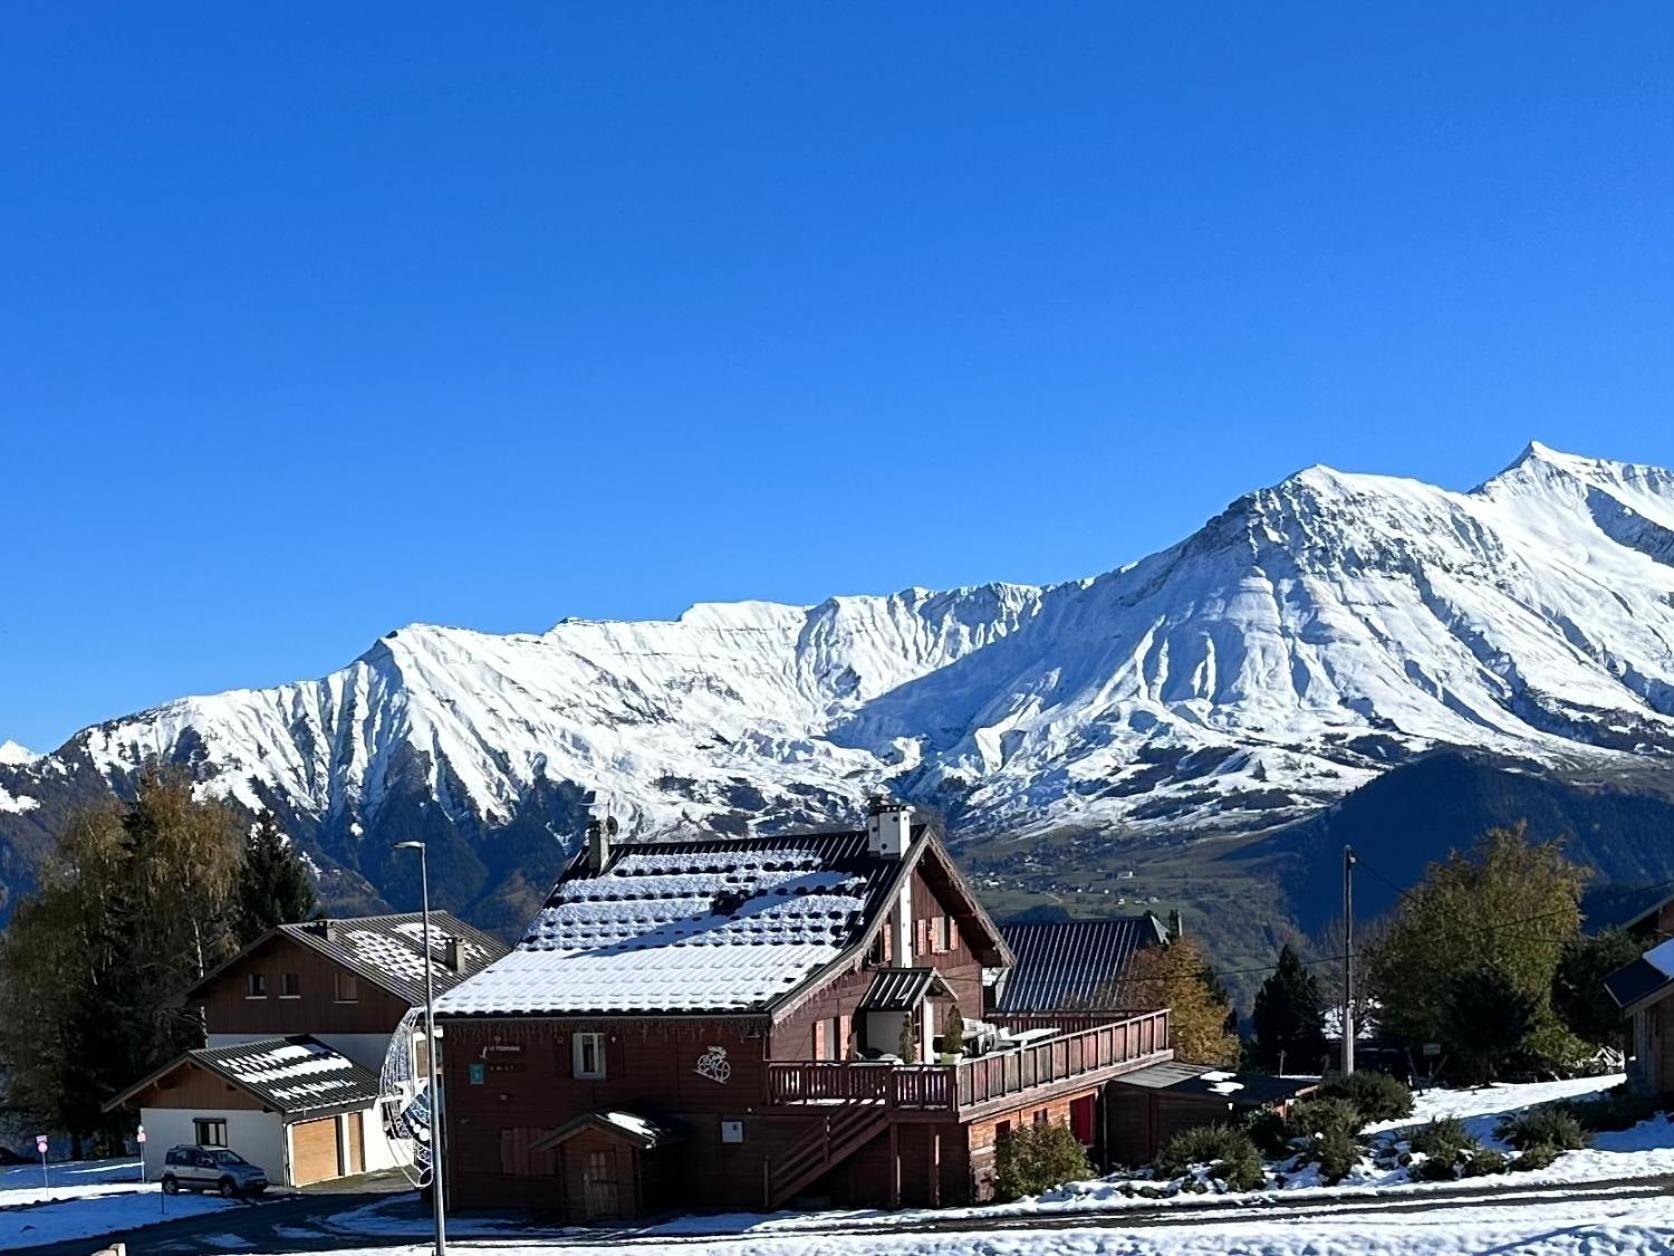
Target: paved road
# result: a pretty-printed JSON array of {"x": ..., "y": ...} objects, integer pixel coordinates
[{"x": 321, "y": 1222}]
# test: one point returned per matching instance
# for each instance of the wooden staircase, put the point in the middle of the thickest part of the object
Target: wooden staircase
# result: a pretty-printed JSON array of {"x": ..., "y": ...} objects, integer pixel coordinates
[{"x": 842, "y": 1130}]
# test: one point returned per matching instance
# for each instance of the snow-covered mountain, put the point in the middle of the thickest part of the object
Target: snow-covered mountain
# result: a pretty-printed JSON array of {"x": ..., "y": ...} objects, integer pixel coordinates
[{"x": 1305, "y": 639}]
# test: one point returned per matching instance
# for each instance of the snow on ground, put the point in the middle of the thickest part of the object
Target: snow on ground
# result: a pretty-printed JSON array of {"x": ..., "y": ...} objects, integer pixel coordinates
[
  {"x": 74, "y": 1179},
  {"x": 99, "y": 1216},
  {"x": 1598, "y": 1223}
]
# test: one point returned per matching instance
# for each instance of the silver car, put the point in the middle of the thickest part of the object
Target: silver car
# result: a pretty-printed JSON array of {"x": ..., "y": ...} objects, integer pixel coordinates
[{"x": 188, "y": 1168}]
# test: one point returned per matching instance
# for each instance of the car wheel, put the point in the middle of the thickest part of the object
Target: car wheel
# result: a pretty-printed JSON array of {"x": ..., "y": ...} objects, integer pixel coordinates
[
  {"x": 228, "y": 1188},
  {"x": 170, "y": 1185}
]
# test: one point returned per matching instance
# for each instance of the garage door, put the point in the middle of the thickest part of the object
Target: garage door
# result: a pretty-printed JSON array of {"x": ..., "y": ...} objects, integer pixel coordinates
[{"x": 313, "y": 1151}]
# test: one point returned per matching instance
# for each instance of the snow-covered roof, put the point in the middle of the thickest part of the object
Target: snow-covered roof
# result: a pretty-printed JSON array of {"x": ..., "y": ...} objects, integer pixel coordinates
[
  {"x": 710, "y": 925},
  {"x": 295, "y": 1076},
  {"x": 389, "y": 950}
]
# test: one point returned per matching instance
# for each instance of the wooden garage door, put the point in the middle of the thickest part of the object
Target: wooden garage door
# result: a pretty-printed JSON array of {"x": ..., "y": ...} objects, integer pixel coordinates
[{"x": 313, "y": 1151}]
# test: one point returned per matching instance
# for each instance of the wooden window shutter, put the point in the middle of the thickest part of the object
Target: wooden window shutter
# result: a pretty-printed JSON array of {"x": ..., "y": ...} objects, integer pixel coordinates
[{"x": 616, "y": 1055}]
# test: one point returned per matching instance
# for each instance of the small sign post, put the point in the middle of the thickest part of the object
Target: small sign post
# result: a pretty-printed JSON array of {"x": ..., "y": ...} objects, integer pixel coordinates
[
  {"x": 140, "y": 1139},
  {"x": 41, "y": 1146}
]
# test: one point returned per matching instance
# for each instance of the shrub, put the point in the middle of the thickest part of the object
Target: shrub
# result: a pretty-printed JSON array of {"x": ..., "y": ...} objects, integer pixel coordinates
[
  {"x": 1619, "y": 1108},
  {"x": 1035, "y": 1158},
  {"x": 1378, "y": 1096},
  {"x": 1314, "y": 1118},
  {"x": 1543, "y": 1127},
  {"x": 1436, "y": 1169},
  {"x": 1484, "y": 1162},
  {"x": 1267, "y": 1129},
  {"x": 1534, "y": 1158},
  {"x": 1443, "y": 1137},
  {"x": 1336, "y": 1153},
  {"x": 1229, "y": 1152}
]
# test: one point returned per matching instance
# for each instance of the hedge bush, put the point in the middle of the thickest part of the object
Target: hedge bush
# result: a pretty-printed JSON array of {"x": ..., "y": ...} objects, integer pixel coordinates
[
  {"x": 1620, "y": 1108},
  {"x": 1534, "y": 1158},
  {"x": 1485, "y": 1162},
  {"x": 1336, "y": 1153},
  {"x": 1543, "y": 1127},
  {"x": 1229, "y": 1152},
  {"x": 1378, "y": 1096},
  {"x": 1445, "y": 1136},
  {"x": 1035, "y": 1158},
  {"x": 1315, "y": 1118},
  {"x": 1269, "y": 1132}
]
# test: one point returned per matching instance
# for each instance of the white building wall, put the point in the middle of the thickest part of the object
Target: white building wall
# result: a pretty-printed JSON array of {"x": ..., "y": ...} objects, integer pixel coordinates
[
  {"x": 381, "y": 1151},
  {"x": 257, "y": 1136}
]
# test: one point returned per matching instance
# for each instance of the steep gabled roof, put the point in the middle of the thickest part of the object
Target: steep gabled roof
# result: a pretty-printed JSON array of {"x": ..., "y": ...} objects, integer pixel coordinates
[
  {"x": 1074, "y": 964},
  {"x": 745, "y": 925},
  {"x": 296, "y": 1076},
  {"x": 386, "y": 951}
]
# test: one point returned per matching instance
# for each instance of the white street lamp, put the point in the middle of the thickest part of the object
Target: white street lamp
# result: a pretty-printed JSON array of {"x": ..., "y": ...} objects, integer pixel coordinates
[{"x": 431, "y": 1054}]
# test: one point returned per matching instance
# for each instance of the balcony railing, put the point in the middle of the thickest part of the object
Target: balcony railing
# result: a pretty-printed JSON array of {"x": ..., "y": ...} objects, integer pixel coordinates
[{"x": 950, "y": 1087}]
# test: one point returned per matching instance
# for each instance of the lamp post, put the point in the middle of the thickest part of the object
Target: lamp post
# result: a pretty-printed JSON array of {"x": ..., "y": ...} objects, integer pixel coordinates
[{"x": 431, "y": 1053}]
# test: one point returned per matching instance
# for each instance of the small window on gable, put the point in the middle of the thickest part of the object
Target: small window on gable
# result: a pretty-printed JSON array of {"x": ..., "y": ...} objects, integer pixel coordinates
[
  {"x": 290, "y": 986},
  {"x": 207, "y": 1132},
  {"x": 938, "y": 935},
  {"x": 348, "y": 987},
  {"x": 255, "y": 986},
  {"x": 587, "y": 1055}
]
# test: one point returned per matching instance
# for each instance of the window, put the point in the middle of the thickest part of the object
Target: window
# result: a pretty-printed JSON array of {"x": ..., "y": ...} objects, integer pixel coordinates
[
  {"x": 938, "y": 935},
  {"x": 255, "y": 986},
  {"x": 1042, "y": 1117},
  {"x": 828, "y": 1038},
  {"x": 348, "y": 987},
  {"x": 290, "y": 986},
  {"x": 922, "y": 930},
  {"x": 1002, "y": 1130},
  {"x": 587, "y": 1054},
  {"x": 209, "y": 1132}
]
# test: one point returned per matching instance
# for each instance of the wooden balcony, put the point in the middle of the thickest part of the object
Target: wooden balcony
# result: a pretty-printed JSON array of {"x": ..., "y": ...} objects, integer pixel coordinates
[{"x": 1087, "y": 1055}]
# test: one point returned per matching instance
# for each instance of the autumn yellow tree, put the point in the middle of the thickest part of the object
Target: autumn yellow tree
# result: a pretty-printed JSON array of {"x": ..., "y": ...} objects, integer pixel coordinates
[{"x": 1177, "y": 976}]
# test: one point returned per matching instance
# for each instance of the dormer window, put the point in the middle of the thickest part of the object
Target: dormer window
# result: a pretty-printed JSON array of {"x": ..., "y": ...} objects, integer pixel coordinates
[{"x": 255, "y": 986}]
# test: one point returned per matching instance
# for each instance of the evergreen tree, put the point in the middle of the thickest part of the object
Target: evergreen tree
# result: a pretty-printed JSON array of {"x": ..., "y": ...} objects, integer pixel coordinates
[
  {"x": 274, "y": 887},
  {"x": 1485, "y": 1018},
  {"x": 1177, "y": 976},
  {"x": 134, "y": 905},
  {"x": 1578, "y": 994},
  {"x": 1288, "y": 1017}
]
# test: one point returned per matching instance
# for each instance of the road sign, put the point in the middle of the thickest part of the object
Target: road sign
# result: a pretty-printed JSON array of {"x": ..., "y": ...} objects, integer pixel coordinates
[
  {"x": 41, "y": 1143},
  {"x": 141, "y": 1136}
]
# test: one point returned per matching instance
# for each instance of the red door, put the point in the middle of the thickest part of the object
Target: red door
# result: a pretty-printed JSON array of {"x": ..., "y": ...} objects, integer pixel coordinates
[{"x": 1081, "y": 1120}]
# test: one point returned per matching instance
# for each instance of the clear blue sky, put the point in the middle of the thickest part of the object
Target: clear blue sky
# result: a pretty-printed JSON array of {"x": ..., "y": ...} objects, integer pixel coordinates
[{"x": 319, "y": 319}]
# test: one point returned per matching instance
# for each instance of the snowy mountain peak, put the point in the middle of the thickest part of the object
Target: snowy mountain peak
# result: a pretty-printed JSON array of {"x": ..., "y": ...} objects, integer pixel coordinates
[
  {"x": 15, "y": 755},
  {"x": 1306, "y": 638}
]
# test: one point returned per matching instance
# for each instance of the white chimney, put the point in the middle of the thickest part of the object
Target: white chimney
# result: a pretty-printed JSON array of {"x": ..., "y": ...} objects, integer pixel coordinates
[
  {"x": 598, "y": 843},
  {"x": 889, "y": 828}
]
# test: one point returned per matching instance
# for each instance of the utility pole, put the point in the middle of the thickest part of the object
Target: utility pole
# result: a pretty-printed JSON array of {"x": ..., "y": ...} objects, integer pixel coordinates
[
  {"x": 1348, "y": 960},
  {"x": 431, "y": 1051}
]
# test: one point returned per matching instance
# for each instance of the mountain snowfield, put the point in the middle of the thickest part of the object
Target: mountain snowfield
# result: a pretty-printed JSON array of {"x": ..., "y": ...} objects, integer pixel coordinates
[{"x": 1303, "y": 641}]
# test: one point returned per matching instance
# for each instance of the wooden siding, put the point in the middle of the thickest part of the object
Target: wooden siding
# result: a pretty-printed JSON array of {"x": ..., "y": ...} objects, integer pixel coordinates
[
  {"x": 793, "y": 1037},
  {"x": 189, "y": 1085},
  {"x": 229, "y": 1010}
]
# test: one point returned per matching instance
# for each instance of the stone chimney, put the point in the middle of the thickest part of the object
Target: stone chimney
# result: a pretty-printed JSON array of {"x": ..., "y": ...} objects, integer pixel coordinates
[
  {"x": 451, "y": 958},
  {"x": 889, "y": 827},
  {"x": 598, "y": 844}
]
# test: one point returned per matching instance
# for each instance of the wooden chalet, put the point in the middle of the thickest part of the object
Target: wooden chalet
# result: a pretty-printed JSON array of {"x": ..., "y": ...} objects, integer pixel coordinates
[
  {"x": 746, "y": 1023},
  {"x": 299, "y": 1026}
]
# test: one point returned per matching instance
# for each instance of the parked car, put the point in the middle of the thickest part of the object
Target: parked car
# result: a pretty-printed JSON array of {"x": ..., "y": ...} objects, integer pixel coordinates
[{"x": 188, "y": 1168}]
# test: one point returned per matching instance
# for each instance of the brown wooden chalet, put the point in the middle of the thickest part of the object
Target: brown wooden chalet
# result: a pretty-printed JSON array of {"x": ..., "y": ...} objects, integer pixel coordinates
[{"x": 744, "y": 1023}]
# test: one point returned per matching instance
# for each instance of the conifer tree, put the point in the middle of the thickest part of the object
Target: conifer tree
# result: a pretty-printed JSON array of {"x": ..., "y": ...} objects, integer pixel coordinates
[
  {"x": 274, "y": 887},
  {"x": 1288, "y": 1017},
  {"x": 134, "y": 905}
]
